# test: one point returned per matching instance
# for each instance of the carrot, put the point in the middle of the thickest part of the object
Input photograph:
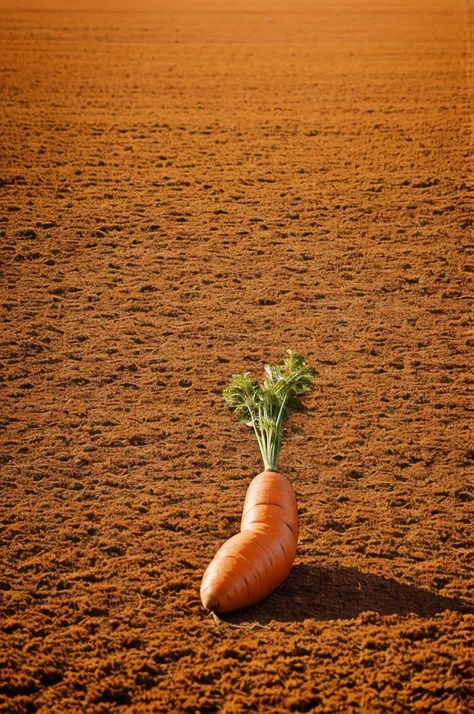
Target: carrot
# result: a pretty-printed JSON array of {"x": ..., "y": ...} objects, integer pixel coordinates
[{"x": 252, "y": 563}]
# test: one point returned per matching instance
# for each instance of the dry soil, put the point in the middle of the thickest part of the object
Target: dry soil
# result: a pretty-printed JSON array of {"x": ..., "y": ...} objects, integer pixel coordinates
[{"x": 187, "y": 190}]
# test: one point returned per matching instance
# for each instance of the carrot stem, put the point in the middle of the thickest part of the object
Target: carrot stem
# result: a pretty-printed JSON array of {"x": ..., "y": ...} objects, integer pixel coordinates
[{"x": 264, "y": 406}]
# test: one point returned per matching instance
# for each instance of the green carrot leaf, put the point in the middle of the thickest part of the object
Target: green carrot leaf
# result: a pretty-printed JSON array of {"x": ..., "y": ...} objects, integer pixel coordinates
[{"x": 264, "y": 406}]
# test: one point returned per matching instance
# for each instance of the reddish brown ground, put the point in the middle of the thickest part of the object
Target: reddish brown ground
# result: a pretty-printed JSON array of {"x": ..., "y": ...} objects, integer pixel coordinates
[{"x": 185, "y": 194}]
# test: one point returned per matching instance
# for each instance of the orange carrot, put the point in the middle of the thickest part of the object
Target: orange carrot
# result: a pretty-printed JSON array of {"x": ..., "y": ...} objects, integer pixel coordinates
[{"x": 251, "y": 564}]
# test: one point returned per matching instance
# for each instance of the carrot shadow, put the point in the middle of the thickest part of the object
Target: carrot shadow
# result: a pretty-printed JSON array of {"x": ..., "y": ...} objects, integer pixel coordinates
[{"x": 312, "y": 592}]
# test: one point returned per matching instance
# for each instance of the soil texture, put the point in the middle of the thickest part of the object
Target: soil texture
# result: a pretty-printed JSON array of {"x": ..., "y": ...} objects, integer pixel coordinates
[{"x": 187, "y": 190}]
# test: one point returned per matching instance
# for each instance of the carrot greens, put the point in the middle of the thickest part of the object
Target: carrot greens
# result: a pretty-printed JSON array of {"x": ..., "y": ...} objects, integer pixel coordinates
[{"x": 264, "y": 406}]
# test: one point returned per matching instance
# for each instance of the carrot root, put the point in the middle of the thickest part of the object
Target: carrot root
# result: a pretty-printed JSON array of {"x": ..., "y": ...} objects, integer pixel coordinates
[{"x": 253, "y": 563}]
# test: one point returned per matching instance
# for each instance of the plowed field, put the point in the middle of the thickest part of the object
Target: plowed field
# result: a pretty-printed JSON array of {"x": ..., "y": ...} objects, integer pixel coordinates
[{"x": 187, "y": 190}]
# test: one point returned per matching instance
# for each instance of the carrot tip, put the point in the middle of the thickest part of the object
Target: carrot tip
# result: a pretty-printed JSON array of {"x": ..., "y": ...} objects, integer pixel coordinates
[{"x": 210, "y": 602}]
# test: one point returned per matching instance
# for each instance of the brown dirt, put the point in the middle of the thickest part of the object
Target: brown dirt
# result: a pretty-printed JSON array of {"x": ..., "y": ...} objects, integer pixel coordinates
[{"x": 186, "y": 194}]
